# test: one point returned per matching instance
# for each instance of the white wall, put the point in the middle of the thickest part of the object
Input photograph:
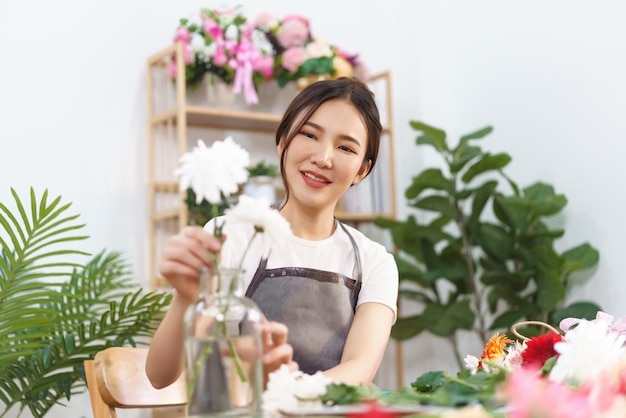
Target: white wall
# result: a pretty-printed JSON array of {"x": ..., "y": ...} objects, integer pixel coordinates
[{"x": 549, "y": 76}]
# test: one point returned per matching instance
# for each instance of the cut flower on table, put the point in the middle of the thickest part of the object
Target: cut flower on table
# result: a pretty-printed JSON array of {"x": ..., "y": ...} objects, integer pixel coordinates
[{"x": 577, "y": 373}]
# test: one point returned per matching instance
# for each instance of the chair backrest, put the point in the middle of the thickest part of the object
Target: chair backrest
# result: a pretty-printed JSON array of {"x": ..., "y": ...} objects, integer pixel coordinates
[{"x": 116, "y": 378}]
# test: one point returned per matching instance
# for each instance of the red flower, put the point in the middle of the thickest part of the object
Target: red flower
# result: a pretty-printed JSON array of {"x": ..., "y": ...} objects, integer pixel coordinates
[
  {"x": 373, "y": 411},
  {"x": 539, "y": 349}
]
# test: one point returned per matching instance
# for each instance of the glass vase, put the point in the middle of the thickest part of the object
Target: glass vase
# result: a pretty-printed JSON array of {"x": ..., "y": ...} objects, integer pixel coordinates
[{"x": 223, "y": 349}]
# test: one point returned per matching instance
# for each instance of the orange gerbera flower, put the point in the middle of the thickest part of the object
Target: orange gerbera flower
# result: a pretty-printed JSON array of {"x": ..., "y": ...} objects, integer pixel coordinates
[{"x": 494, "y": 349}]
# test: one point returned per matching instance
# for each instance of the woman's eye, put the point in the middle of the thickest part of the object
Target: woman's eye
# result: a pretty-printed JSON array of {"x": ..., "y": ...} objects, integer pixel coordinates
[
  {"x": 347, "y": 149},
  {"x": 307, "y": 134}
]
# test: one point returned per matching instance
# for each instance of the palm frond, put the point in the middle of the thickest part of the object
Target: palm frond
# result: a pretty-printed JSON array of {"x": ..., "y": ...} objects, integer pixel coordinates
[{"x": 54, "y": 312}]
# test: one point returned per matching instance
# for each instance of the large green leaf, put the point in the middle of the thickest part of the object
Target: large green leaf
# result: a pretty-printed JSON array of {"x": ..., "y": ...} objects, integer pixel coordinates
[
  {"x": 487, "y": 163},
  {"x": 445, "y": 320},
  {"x": 430, "y": 135},
  {"x": 431, "y": 178}
]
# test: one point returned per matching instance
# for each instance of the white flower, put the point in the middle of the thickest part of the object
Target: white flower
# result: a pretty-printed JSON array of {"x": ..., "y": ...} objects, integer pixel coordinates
[
  {"x": 274, "y": 228},
  {"x": 587, "y": 352},
  {"x": 513, "y": 358},
  {"x": 214, "y": 172},
  {"x": 318, "y": 48},
  {"x": 471, "y": 363},
  {"x": 289, "y": 390}
]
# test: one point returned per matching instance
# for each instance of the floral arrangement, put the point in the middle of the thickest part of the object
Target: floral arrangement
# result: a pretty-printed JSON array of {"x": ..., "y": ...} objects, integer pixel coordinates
[
  {"x": 302, "y": 56},
  {"x": 580, "y": 373},
  {"x": 224, "y": 44}
]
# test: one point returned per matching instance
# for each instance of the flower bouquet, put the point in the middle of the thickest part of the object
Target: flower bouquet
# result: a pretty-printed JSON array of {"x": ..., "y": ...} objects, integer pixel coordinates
[
  {"x": 223, "y": 329},
  {"x": 304, "y": 58},
  {"x": 223, "y": 44}
]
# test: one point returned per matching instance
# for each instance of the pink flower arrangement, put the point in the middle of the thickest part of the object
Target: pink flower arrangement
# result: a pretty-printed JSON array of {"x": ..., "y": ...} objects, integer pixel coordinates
[
  {"x": 299, "y": 54},
  {"x": 224, "y": 44}
]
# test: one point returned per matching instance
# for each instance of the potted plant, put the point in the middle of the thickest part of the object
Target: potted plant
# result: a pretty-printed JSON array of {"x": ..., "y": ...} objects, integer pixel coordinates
[
  {"x": 474, "y": 269},
  {"x": 56, "y": 311},
  {"x": 262, "y": 180}
]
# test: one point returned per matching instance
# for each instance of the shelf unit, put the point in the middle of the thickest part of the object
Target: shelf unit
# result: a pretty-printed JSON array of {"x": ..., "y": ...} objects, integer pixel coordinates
[{"x": 171, "y": 117}]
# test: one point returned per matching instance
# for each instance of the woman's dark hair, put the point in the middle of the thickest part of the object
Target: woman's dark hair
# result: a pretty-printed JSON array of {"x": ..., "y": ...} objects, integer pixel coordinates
[{"x": 313, "y": 96}]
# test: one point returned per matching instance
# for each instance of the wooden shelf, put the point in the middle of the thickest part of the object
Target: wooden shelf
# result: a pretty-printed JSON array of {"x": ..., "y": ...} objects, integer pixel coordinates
[{"x": 221, "y": 119}]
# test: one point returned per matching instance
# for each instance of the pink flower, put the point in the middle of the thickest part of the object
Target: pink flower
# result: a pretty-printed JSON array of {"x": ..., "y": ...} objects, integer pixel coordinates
[
  {"x": 529, "y": 395},
  {"x": 292, "y": 58},
  {"x": 220, "y": 58},
  {"x": 265, "y": 20},
  {"x": 262, "y": 63},
  {"x": 213, "y": 30},
  {"x": 294, "y": 31},
  {"x": 182, "y": 34}
]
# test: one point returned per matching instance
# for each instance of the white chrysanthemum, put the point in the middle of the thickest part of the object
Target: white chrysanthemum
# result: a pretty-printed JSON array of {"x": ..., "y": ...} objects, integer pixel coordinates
[
  {"x": 214, "y": 171},
  {"x": 289, "y": 390},
  {"x": 274, "y": 228},
  {"x": 311, "y": 386},
  {"x": 588, "y": 351}
]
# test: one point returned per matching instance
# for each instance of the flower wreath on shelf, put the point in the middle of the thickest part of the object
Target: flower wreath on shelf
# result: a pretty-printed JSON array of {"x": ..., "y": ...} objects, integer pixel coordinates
[
  {"x": 580, "y": 373},
  {"x": 225, "y": 45},
  {"x": 305, "y": 58}
]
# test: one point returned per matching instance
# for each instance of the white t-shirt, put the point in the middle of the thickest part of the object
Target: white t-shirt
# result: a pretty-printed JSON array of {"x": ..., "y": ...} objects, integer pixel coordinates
[{"x": 336, "y": 254}]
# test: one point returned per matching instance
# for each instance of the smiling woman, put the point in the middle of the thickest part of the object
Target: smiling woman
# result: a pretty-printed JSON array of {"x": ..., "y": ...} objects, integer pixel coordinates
[{"x": 329, "y": 291}]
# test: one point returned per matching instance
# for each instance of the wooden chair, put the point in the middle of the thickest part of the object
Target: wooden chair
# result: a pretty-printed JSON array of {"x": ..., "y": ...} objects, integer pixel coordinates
[{"x": 116, "y": 378}]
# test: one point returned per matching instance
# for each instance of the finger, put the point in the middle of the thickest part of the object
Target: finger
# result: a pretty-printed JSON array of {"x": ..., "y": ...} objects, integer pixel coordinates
[
  {"x": 282, "y": 354},
  {"x": 275, "y": 333}
]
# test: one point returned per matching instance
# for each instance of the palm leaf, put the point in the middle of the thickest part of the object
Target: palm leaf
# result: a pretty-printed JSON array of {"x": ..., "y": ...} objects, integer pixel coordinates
[{"x": 56, "y": 312}]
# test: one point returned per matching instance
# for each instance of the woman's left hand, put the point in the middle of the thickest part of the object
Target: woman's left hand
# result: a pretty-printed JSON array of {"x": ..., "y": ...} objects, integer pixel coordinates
[{"x": 276, "y": 350}]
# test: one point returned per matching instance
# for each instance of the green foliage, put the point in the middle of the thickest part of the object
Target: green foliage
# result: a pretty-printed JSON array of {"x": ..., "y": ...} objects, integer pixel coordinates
[
  {"x": 474, "y": 269},
  {"x": 263, "y": 168},
  {"x": 56, "y": 312},
  {"x": 203, "y": 212}
]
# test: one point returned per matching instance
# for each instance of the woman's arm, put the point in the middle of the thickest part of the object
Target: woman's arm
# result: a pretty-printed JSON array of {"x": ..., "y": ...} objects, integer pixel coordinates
[{"x": 365, "y": 345}]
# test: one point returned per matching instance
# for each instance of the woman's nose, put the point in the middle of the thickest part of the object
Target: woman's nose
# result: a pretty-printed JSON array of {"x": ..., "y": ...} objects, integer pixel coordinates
[{"x": 323, "y": 157}]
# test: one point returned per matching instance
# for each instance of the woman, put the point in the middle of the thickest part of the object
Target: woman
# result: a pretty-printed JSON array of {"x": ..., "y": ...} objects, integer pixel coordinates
[{"x": 330, "y": 298}]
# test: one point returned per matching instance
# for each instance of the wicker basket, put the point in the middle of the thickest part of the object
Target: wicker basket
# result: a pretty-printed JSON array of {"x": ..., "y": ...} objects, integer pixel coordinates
[{"x": 537, "y": 323}]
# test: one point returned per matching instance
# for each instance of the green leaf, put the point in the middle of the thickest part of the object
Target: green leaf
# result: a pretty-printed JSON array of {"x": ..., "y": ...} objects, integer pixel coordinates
[
  {"x": 582, "y": 310},
  {"x": 581, "y": 257},
  {"x": 550, "y": 289},
  {"x": 445, "y": 320},
  {"x": 487, "y": 163},
  {"x": 495, "y": 241},
  {"x": 429, "y": 381},
  {"x": 431, "y": 178},
  {"x": 406, "y": 328},
  {"x": 430, "y": 136},
  {"x": 439, "y": 204},
  {"x": 462, "y": 156},
  {"x": 543, "y": 200},
  {"x": 479, "y": 134}
]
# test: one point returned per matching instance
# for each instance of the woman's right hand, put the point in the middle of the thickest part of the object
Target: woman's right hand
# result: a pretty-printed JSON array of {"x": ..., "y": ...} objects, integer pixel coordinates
[{"x": 186, "y": 253}]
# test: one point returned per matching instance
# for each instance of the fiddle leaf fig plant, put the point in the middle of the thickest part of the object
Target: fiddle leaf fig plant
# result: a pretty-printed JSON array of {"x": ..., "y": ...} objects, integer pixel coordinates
[
  {"x": 478, "y": 253},
  {"x": 57, "y": 311}
]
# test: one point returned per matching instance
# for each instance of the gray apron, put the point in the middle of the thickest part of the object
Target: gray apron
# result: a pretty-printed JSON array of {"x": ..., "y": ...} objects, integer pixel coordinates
[{"x": 316, "y": 305}]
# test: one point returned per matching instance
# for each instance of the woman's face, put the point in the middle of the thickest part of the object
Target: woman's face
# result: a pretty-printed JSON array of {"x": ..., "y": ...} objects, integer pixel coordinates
[{"x": 326, "y": 157}]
